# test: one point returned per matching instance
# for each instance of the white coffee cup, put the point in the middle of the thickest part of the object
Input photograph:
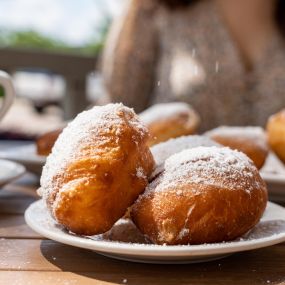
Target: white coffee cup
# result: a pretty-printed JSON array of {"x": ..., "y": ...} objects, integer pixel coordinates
[{"x": 9, "y": 93}]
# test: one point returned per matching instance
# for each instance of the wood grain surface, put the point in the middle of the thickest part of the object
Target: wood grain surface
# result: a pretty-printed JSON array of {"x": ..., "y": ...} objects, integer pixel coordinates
[{"x": 27, "y": 258}]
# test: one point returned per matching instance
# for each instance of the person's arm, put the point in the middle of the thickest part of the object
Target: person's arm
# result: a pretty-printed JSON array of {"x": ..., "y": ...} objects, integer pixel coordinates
[{"x": 130, "y": 55}]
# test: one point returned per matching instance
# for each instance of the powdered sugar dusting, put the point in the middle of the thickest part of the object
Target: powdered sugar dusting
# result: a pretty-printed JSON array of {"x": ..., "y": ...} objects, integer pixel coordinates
[
  {"x": 89, "y": 133},
  {"x": 185, "y": 231},
  {"x": 124, "y": 230},
  {"x": 217, "y": 166},
  {"x": 164, "y": 150},
  {"x": 140, "y": 173},
  {"x": 255, "y": 134}
]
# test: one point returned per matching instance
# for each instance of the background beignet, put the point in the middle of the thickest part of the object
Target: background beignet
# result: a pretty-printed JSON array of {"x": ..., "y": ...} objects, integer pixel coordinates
[
  {"x": 276, "y": 134},
  {"x": 170, "y": 120},
  {"x": 250, "y": 140}
]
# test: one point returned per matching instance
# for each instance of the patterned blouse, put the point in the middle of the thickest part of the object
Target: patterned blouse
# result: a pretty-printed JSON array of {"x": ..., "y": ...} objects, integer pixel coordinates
[{"x": 154, "y": 54}]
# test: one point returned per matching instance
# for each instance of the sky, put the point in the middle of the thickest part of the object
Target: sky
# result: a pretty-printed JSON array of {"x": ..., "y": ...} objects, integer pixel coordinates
[{"x": 73, "y": 21}]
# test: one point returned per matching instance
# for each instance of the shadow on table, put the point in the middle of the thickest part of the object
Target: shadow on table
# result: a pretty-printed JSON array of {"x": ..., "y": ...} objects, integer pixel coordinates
[
  {"x": 10, "y": 221},
  {"x": 264, "y": 266}
]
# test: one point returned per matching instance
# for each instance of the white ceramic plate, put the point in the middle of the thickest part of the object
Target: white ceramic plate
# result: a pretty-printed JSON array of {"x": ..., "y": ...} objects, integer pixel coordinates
[
  {"x": 25, "y": 155},
  {"x": 126, "y": 243},
  {"x": 9, "y": 171},
  {"x": 273, "y": 173}
]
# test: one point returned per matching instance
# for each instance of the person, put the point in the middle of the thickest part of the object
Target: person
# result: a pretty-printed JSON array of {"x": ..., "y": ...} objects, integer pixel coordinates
[{"x": 226, "y": 58}]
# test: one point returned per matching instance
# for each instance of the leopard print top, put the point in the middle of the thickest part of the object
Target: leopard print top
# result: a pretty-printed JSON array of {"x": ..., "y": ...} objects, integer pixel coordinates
[{"x": 159, "y": 55}]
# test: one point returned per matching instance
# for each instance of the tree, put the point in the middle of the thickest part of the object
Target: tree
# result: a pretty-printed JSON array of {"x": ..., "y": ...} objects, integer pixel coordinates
[{"x": 34, "y": 40}]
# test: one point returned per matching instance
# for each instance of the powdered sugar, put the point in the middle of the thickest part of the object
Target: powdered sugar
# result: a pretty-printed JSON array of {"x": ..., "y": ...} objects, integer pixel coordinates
[
  {"x": 255, "y": 134},
  {"x": 140, "y": 173},
  {"x": 217, "y": 166},
  {"x": 185, "y": 231},
  {"x": 124, "y": 230},
  {"x": 164, "y": 150},
  {"x": 89, "y": 133}
]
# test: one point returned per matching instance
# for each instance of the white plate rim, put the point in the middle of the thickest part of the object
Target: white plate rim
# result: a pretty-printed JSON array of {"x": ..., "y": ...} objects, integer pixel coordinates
[
  {"x": 273, "y": 178},
  {"x": 143, "y": 250},
  {"x": 17, "y": 154},
  {"x": 18, "y": 171}
]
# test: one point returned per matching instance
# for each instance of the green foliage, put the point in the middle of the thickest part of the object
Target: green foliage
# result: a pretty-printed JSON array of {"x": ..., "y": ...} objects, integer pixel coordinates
[
  {"x": 31, "y": 39},
  {"x": 34, "y": 40}
]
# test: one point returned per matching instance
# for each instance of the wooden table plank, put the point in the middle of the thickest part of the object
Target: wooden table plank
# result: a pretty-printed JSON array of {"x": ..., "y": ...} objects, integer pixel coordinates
[
  {"x": 13, "y": 204},
  {"x": 27, "y": 259},
  {"x": 255, "y": 267},
  {"x": 46, "y": 255},
  {"x": 17, "y": 196},
  {"x": 14, "y": 226},
  {"x": 90, "y": 278},
  {"x": 56, "y": 278}
]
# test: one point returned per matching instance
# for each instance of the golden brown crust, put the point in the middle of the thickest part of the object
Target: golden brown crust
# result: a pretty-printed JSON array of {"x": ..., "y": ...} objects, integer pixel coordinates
[
  {"x": 244, "y": 140},
  {"x": 173, "y": 128},
  {"x": 214, "y": 216},
  {"x": 45, "y": 142},
  {"x": 170, "y": 120},
  {"x": 276, "y": 134},
  {"x": 95, "y": 173},
  {"x": 222, "y": 207}
]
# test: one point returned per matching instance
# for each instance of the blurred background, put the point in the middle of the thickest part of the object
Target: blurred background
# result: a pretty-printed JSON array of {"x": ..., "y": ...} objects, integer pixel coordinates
[
  {"x": 51, "y": 48},
  {"x": 221, "y": 55},
  {"x": 187, "y": 66}
]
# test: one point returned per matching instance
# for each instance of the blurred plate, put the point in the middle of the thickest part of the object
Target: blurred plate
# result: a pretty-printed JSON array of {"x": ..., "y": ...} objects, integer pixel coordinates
[
  {"x": 25, "y": 155},
  {"x": 273, "y": 173},
  {"x": 9, "y": 171},
  {"x": 269, "y": 231}
]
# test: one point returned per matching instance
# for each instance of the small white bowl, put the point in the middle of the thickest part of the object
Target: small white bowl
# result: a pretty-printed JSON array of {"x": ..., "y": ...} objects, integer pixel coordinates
[{"x": 9, "y": 171}]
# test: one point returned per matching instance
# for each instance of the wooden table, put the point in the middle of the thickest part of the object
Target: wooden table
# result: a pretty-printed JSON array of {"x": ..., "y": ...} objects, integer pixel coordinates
[{"x": 27, "y": 258}]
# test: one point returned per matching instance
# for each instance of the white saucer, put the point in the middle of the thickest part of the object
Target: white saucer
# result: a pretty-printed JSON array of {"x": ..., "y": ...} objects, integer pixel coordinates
[
  {"x": 9, "y": 171},
  {"x": 25, "y": 155},
  {"x": 273, "y": 172},
  {"x": 270, "y": 231}
]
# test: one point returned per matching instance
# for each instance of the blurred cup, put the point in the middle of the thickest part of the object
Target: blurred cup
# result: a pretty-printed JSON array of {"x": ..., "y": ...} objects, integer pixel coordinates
[{"x": 7, "y": 93}]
